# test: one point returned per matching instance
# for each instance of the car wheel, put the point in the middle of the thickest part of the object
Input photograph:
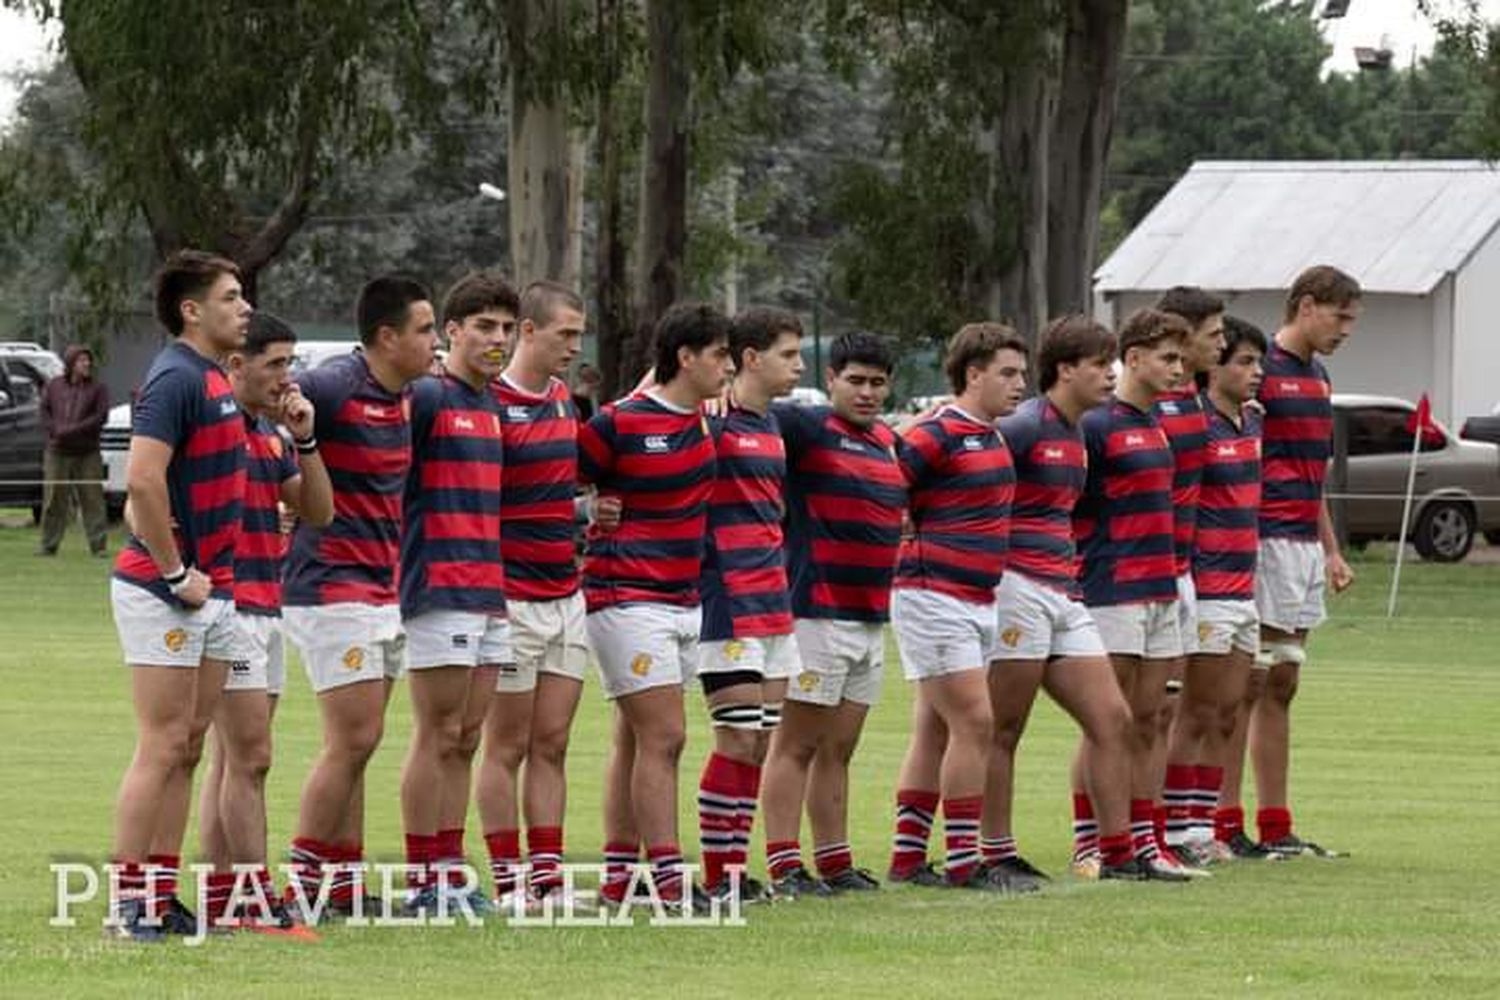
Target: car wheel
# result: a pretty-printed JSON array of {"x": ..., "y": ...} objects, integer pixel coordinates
[{"x": 1445, "y": 532}]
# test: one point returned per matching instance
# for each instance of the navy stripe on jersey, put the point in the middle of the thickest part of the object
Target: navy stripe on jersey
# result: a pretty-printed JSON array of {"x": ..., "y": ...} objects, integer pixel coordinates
[
  {"x": 744, "y": 569},
  {"x": 1051, "y": 468},
  {"x": 1297, "y": 443},
  {"x": 450, "y": 540},
  {"x": 364, "y": 438},
  {"x": 1183, "y": 416},
  {"x": 537, "y": 524},
  {"x": 659, "y": 461},
  {"x": 962, "y": 482},
  {"x": 261, "y": 547},
  {"x": 1124, "y": 519},
  {"x": 1229, "y": 509},
  {"x": 845, "y": 495},
  {"x": 186, "y": 402}
]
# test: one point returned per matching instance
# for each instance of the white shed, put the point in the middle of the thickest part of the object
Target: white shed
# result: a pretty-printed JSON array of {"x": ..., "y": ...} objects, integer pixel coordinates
[{"x": 1419, "y": 235}]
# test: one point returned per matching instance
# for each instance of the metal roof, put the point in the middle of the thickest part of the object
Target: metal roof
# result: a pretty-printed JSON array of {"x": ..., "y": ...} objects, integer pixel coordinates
[{"x": 1398, "y": 226}]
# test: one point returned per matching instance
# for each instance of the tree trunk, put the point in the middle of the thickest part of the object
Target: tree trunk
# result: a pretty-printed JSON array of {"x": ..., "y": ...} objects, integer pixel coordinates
[
  {"x": 1093, "y": 45},
  {"x": 1025, "y": 115},
  {"x": 662, "y": 238},
  {"x": 612, "y": 320},
  {"x": 544, "y": 186}
]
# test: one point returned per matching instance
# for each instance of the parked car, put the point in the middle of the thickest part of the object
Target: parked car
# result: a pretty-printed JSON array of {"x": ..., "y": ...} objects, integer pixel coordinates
[
  {"x": 1457, "y": 480},
  {"x": 21, "y": 437},
  {"x": 35, "y": 356}
]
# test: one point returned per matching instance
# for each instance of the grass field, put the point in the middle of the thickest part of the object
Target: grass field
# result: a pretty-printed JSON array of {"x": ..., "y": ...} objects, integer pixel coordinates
[{"x": 1396, "y": 745}]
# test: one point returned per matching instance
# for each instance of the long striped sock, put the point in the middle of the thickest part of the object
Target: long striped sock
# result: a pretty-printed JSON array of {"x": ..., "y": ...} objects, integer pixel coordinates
[
  {"x": 831, "y": 859},
  {"x": 161, "y": 879},
  {"x": 1201, "y": 818},
  {"x": 961, "y": 833},
  {"x": 915, "y": 808},
  {"x": 783, "y": 857},
  {"x": 994, "y": 850},
  {"x": 310, "y": 861},
  {"x": 348, "y": 859},
  {"x": 1143, "y": 829},
  {"x": 1085, "y": 827},
  {"x": 505, "y": 858},
  {"x": 718, "y": 815},
  {"x": 1179, "y": 795},
  {"x": 666, "y": 870},
  {"x": 619, "y": 859},
  {"x": 546, "y": 843},
  {"x": 749, "y": 784}
]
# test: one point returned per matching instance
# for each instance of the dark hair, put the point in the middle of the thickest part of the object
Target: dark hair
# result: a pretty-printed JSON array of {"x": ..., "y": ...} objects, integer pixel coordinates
[
  {"x": 977, "y": 344},
  {"x": 1237, "y": 333},
  {"x": 861, "y": 349},
  {"x": 265, "y": 330},
  {"x": 541, "y": 301},
  {"x": 1327, "y": 285},
  {"x": 1070, "y": 340},
  {"x": 1144, "y": 327},
  {"x": 187, "y": 274},
  {"x": 694, "y": 325},
  {"x": 1191, "y": 303},
  {"x": 384, "y": 301},
  {"x": 757, "y": 329},
  {"x": 479, "y": 292}
]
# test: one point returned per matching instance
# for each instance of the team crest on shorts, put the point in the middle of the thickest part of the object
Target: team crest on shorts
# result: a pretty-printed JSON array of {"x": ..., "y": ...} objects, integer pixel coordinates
[
  {"x": 734, "y": 650},
  {"x": 175, "y": 639},
  {"x": 640, "y": 665},
  {"x": 354, "y": 658},
  {"x": 1011, "y": 636},
  {"x": 1204, "y": 631},
  {"x": 807, "y": 681}
]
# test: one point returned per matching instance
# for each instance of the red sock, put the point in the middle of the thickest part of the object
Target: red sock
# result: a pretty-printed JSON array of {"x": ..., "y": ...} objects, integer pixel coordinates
[
  {"x": 421, "y": 851},
  {"x": 1227, "y": 823},
  {"x": 1085, "y": 827},
  {"x": 619, "y": 859},
  {"x": 162, "y": 882},
  {"x": 1274, "y": 822},
  {"x": 1115, "y": 849},
  {"x": 749, "y": 784},
  {"x": 450, "y": 856},
  {"x": 831, "y": 859},
  {"x": 915, "y": 808},
  {"x": 1143, "y": 829},
  {"x": 1159, "y": 829},
  {"x": 350, "y": 860},
  {"x": 1210, "y": 780},
  {"x": 546, "y": 844},
  {"x": 216, "y": 901},
  {"x": 783, "y": 857},
  {"x": 666, "y": 870},
  {"x": 311, "y": 860},
  {"x": 505, "y": 857},
  {"x": 718, "y": 815},
  {"x": 961, "y": 834},
  {"x": 1179, "y": 795}
]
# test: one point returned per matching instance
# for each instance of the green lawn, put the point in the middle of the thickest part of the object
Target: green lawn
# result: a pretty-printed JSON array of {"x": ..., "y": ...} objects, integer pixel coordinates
[{"x": 1396, "y": 750}]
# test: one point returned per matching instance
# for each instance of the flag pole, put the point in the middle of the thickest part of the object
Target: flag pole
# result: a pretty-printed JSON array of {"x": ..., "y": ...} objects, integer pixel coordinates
[{"x": 1411, "y": 486}]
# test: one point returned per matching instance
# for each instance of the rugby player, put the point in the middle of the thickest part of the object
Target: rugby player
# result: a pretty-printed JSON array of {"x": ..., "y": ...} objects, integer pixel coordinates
[{"x": 961, "y": 481}]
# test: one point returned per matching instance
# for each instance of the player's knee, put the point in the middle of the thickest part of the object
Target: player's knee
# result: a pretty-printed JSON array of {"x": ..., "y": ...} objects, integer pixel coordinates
[
  {"x": 1112, "y": 729},
  {"x": 1282, "y": 687},
  {"x": 549, "y": 744},
  {"x": 359, "y": 742},
  {"x": 468, "y": 739},
  {"x": 664, "y": 739}
]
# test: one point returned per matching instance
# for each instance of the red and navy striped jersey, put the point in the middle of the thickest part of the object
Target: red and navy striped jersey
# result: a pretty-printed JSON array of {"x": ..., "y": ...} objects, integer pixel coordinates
[
  {"x": 1297, "y": 443},
  {"x": 1229, "y": 510},
  {"x": 261, "y": 547},
  {"x": 962, "y": 483},
  {"x": 1124, "y": 518},
  {"x": 744, "y": 568},
  {"x": 364, "y": 438},
  {"x": 659, "y": 461},
  {"x": 186, "y": 402},
  {"x": 450, "y": 539},
  {"x": 1051, "y": 467},
  {"x": 1182, "y": 415},
  {"x": 537, "y": 513},
  {"x": 845, "y": 497}
]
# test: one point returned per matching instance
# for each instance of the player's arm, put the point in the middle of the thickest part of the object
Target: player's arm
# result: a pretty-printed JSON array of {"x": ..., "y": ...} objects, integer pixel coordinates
[
  {"x": 596, "y": 462},
  {"x": 159, "y": 426},
  {"x": 1340, "y": 574}
]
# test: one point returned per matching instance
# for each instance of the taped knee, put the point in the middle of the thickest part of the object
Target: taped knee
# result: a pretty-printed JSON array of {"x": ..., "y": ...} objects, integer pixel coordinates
[
  {"x": 770, "y": 715},
  {"x": 1273, "y": 653},
  {"x": 745, "y": 717}
]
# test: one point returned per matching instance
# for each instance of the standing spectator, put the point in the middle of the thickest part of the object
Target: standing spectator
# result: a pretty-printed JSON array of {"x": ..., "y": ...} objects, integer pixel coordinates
[
  {"x": 586, "y": 391},
  {"x": 74, "y": 408}
]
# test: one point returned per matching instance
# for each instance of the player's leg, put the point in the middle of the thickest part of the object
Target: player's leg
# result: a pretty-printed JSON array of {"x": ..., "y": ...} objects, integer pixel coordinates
[
  {"x": 507, "y": 733},
  {"x": 1229, "y": 817},
  {"x": 918, "y": 792},
  {"x": 656, "y": 719},
  {"x": 828, "y": 799},
  {"x": 433, "y": 762},
  {"x": 962, "y": 700},
  {"x": 622, "y": 838},
  {"x": 1270, "y": 733},
  {"x": 1013, "y": 685},
  {"x": 454, "y": 809},
  {"x": 242, "y": 736},
  {"x": 732, "y": 770},
  {"x": 794, "y": 744}
]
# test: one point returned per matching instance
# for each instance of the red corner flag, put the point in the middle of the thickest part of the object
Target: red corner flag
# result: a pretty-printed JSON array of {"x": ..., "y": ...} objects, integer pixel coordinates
[{"x": 1420, "y": 422}]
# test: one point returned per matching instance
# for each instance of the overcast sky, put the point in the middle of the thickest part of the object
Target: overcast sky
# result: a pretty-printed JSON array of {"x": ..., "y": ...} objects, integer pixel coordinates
[{"x": 23, "y": 45}]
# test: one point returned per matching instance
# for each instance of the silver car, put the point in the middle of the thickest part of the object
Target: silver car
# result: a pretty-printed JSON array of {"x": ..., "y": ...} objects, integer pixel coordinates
[{"x": 1457, "y": 491}]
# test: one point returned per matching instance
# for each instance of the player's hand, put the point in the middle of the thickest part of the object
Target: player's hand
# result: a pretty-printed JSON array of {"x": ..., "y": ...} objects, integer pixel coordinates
[
  {"x": 196, "y": 591},
  {"x": 1340, "y": 574},
  {"x": 608, "y": 512},
  {"x": 295, "y": 413}
]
